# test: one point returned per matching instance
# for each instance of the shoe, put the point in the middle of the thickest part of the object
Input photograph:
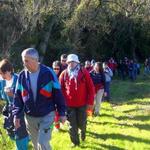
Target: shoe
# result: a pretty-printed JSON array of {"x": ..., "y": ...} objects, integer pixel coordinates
[
  {"x": 96, "y": 114},
  {"x": 82, "y": 136},
  {"x": 74, "y": 145}
]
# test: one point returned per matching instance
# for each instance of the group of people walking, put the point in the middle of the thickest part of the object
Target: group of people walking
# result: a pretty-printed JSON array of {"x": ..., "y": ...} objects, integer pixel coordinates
[{"x": 39, "y": 94}]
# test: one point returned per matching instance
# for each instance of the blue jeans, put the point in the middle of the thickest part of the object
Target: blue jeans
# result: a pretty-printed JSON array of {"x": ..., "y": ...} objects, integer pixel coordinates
[
  {"x": 107, "y": 90},
  {"x": 147, "y": 70},
  {"x": 132, "y": 75},
  {"x": 22, "y": 144}
]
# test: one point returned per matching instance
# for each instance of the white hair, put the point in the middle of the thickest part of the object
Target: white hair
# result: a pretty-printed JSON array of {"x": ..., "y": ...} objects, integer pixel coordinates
[{"x": 31, "y": 52}]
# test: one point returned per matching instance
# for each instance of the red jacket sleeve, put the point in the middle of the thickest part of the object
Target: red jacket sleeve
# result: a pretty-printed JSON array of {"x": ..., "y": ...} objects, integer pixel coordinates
[
  {"x": 62, "y": 83},
  {"x": 90, "y": 88}
]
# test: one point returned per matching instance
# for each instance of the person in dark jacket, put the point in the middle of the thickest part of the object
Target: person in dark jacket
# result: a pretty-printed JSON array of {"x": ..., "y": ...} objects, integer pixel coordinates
[
  {"x": 38, "y": 93},
  {"x": 98, "y": 77},
  {"x": 7, "y": 87},
  {"x": 56, "y": 65},
  {"x": 87, "y": 65},
  {"x": 108, "y": 77}
]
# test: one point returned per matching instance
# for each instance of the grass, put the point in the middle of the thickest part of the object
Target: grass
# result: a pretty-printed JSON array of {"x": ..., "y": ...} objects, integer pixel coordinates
[{"x": 124, "y": 124}]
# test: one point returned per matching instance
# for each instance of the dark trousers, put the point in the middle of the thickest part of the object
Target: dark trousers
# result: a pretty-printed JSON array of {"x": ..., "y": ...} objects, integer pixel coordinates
[
  {"x": 77, "y": 118},
  {"x": 107, "y": 90}
]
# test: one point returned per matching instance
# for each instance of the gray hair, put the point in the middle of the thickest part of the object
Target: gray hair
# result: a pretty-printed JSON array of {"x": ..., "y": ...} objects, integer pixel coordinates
[{"x": 31, "y": 52}]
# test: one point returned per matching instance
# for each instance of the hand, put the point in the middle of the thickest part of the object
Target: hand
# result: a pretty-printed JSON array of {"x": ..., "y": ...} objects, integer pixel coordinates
[
  {"x": 16, "y": 123},
  {"x": 10, "y": 93},
  {"x": 105, "y": 94},
  {"x": 89, "y": 107},
  {"x": 63, "y": 119}
]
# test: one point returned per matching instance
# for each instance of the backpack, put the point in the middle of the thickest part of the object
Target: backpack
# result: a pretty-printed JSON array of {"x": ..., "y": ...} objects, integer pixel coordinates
[{"x": 8, "y": 120}]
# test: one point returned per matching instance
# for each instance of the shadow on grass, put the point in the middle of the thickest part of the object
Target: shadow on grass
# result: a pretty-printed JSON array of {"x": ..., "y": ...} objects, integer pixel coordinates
[
  {"x": 139, "y": 102},
  {"x": 140, "y": 118},
  {"x": 132, "y": 110},
  {"x": 105, "y": 115},
  {"x": 93, "y": 134},
  {"x": 142, "y": 126},
  {"x": 117, "y": 136},
  {"x": 129, "y": 102},
  {"x": 111, "y": 147},
  {"x": 139, "y": 126},
  {"x": 97, "y": 146},
  {"x": 116, "y": 124},
  {"x": 94, "y": 122},
  {"x": 107, "y": 109},
  {"x": 91, "y": 147}
]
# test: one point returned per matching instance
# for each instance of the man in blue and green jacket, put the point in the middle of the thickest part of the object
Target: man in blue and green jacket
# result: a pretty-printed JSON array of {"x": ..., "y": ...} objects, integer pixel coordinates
[{"x": 38, "y": 93}]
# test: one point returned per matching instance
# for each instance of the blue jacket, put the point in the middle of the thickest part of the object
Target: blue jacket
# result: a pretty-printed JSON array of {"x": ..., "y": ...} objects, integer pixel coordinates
[
  {"x": 98, "y": 80},
  {"x": 49, "y": 96},
  {"x": 21, "y": 132},
  {"x": 3, "y": 95}
]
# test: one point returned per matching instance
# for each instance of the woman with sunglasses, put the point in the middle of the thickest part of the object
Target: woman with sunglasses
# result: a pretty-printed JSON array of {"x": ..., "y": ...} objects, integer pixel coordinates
[{"x": 56, "y": 67}]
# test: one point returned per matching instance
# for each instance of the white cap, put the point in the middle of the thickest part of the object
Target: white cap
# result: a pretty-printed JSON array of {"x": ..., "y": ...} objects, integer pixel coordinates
[{"x": 72, "y": 57}]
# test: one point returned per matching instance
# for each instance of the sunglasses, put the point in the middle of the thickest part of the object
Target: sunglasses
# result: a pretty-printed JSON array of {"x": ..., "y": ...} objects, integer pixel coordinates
[
  {"x": 63, "y": 60},
  {"x": 56, "y": 68}
]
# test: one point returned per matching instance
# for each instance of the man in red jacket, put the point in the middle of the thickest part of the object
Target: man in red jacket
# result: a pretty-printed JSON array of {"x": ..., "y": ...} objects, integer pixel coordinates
[{"x": 78, "y": 90}]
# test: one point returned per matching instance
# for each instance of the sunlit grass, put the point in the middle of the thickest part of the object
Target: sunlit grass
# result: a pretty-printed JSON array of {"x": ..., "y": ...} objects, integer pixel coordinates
[{"x": 124, "y": 123}]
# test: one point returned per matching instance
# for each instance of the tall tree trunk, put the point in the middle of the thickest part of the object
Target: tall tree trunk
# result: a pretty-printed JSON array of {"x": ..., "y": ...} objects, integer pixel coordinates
[
  {"x": 46, "y": 35},
  {"x": 133, "y": 42}
]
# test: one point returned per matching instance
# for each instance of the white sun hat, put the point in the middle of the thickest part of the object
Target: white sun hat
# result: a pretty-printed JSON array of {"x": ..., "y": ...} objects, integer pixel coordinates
[{"x": 72, "y": 57}]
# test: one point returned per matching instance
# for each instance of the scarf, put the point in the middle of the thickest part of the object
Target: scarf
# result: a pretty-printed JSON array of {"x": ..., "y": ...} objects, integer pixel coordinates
[{"x": 73, "y": 73}]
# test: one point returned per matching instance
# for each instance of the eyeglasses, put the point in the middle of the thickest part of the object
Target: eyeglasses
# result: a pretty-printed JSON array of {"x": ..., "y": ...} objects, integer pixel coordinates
[
  {"x": 56, "y": 68},
  {"x": 64, "y": 60}
]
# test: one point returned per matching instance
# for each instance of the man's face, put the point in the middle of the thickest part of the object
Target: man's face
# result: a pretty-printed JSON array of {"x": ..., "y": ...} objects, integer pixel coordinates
[
  {"x": 72, "y": 64},
  {"x": 30, "y": 63},
  {"x": 96, "y": 68},
  {"x": 87, "y": 64},
  {"x": 63, "y": 61}
]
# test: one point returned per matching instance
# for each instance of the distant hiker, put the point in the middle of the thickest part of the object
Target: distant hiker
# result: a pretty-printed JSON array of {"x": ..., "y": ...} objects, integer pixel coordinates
[
  {"x": 132, "y": 70},
  {"x": 88, "y": 66},
  {"x": 146, "y": 67},
  {"x": 108, "y": 77},
  {"x": 121, "y": 69},
  {"x": 56, "y": 65}
]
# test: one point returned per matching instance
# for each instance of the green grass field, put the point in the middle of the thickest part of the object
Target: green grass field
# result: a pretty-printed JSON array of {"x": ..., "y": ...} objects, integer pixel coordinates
[{"x": 124, "y": 123}]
